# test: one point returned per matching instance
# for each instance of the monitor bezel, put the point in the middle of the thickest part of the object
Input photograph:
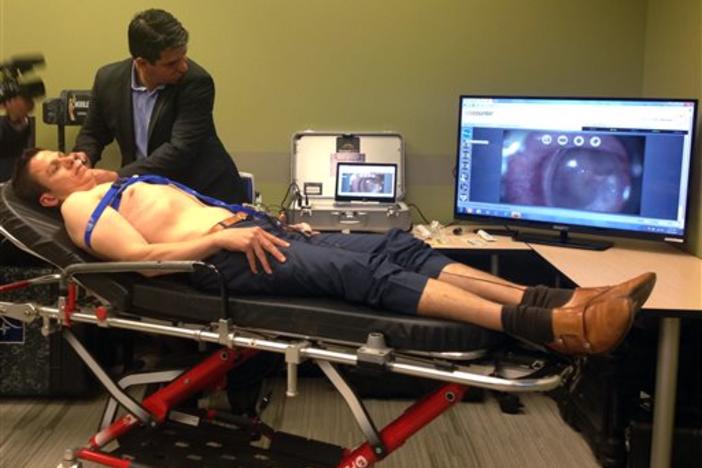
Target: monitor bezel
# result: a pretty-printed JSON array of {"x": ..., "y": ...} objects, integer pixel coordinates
[
  {"x": 365, "y": 198},
  {"x": 569, "y": 227}
]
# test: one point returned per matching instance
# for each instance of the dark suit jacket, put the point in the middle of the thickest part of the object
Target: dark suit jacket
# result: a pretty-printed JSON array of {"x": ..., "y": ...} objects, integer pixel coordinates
[{"x": 183, "y": 144}]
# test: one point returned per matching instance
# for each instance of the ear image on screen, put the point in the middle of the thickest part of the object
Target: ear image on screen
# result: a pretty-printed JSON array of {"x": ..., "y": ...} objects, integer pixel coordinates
[
  {"x": 366, "y": 182},
  {"x": 599, "y": 173},
  {"x": 612, "y": 166}
]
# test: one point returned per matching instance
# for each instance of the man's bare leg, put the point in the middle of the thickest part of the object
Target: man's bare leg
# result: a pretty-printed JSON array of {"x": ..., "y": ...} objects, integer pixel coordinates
[
  {"x": 597, "y": 326},
  {"x": 483, "y": 284},
  {"x": 444, "y": 300},
  {"x": 499, "y": 290}
]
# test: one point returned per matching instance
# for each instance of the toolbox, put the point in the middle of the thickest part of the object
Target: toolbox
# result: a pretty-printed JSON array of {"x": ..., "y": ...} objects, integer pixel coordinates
[{"x": 348, "y": 181}]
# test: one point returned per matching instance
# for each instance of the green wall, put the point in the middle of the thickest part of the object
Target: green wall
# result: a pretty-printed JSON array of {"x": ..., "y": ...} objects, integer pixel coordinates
[
  {"x": 283, "y": 66},
  {"x": 674, "y": 42}
]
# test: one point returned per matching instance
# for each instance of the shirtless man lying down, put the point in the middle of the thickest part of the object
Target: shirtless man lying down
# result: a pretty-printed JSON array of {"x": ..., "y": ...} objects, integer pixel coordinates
[{"x": 152, "y": 219}]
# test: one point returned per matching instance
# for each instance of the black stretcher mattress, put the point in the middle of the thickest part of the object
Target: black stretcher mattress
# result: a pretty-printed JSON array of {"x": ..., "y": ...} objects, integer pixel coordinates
[{"x": 170, "y": 297}]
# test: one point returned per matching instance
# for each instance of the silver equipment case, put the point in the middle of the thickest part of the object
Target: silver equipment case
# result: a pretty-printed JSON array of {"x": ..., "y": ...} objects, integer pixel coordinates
[{"x": 314, "y": 156}]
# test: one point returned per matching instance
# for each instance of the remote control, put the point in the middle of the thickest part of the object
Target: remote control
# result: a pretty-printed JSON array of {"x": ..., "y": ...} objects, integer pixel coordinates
[{"x": 485, "y": 236}]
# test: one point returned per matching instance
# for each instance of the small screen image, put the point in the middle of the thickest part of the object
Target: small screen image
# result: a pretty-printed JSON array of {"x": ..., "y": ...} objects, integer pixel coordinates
[
  {"x": 575, "y": 170},
  {"x": 77, "y": 105},
  {"x": 366, "y": 182}
]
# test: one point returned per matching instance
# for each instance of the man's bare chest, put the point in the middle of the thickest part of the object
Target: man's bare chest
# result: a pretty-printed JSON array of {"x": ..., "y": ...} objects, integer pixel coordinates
[{"x": 151, "y": 203}]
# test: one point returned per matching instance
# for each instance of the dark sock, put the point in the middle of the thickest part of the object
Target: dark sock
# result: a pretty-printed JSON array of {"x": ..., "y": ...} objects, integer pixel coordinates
[
  {"x": 547, "y": 298},
  {"x": 531, "y": 323}
]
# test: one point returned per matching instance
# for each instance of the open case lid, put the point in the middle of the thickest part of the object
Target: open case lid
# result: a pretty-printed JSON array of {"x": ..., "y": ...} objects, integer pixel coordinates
[{"x": 315, "y": 154}]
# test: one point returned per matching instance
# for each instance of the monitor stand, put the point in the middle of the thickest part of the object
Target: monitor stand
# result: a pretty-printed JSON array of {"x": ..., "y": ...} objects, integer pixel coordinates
[{"x": 563, "y": 241}]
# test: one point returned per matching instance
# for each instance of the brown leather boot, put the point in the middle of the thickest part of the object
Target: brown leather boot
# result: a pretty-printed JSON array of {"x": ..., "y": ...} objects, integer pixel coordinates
[
  {"x": 596, "y": 327},
  {"x": 584, "y": 295},
  {"x": 638, "y": 289}
]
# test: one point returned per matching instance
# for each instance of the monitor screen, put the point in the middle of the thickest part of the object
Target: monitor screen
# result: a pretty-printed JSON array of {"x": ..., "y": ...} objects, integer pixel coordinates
[
  {"x": 365, "y": 182},
  {"x": 580, "y": 164}
]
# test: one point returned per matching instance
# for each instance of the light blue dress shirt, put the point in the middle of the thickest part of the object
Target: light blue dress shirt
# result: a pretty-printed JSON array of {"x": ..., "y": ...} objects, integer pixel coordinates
[{"x": 143, "y": 102}]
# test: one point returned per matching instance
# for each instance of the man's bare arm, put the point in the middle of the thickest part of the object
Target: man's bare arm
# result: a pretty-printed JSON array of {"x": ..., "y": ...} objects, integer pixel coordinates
[{"x": 114, "y": 238}]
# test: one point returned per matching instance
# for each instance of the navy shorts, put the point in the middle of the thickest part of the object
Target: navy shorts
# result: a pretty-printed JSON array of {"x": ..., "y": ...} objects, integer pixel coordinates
[{"x": 388, "y": 271}]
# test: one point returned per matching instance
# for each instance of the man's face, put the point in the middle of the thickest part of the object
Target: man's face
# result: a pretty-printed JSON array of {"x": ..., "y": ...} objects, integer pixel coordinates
[
  {"x": 62, "y": 174},
  {"x": 168, "y": 69}
]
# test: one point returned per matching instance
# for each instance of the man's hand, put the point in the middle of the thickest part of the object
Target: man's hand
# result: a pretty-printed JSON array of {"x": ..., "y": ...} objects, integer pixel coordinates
[
  {"x": 102, "y": 176},
  {"x": 303, "y": 228},
  {"x": 17, "y": 110},
  {"x": 80, "y": 155},
  {"x": 256, "y": 243}
]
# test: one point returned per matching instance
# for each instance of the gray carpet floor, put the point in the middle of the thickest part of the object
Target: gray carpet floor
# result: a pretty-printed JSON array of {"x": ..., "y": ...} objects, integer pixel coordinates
[{"x": 35, "y": 432}]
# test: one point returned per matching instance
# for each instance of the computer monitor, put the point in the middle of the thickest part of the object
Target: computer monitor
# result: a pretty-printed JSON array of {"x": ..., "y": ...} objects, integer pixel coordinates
[
  {"x": 365, "y": 182},
  {"x": 610, "y": 166}
]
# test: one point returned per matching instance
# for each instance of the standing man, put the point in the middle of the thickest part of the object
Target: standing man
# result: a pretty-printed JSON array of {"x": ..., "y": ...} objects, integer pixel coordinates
[
  {"x": 158, "y": 105},
  {"x": 14, "y": 132}
]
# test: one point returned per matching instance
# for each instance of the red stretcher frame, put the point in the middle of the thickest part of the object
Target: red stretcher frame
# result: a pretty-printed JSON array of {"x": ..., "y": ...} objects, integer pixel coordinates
[{"x": 211, "y": 374}]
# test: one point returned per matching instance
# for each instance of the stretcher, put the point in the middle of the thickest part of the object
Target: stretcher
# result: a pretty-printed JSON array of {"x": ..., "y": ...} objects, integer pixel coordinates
[{"x": 327, "y": 332}]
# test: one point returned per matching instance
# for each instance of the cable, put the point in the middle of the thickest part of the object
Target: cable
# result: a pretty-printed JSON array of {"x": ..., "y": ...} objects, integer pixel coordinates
[
  {"x": 295, "y": 189},
  {"x": 271, "y": 207},
  {"x": 421, "y": 215},
  {"x": 285, "y": 196}
]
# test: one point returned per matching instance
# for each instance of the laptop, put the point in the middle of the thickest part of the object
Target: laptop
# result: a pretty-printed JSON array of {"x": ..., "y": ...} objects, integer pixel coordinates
[{"x": 370, "y": 183}]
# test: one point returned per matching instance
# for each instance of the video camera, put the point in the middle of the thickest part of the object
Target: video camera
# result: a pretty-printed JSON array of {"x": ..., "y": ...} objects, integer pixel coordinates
[{"x": 11, "y": 74}]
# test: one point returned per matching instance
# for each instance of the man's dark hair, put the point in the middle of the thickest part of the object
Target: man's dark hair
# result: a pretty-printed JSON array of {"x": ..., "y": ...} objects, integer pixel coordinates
[
  {"x": 25, "y": 186},
  {"x": 153, "y": 31}
]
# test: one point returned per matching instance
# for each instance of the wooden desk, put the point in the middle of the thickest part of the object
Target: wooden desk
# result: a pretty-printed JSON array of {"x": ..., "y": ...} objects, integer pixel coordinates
[
  {"x": 468, "y": 241},
  {"x": 449, "y": 241},
  {"x": 678, "y": 293},
  {"x": 678, "y": 288}
]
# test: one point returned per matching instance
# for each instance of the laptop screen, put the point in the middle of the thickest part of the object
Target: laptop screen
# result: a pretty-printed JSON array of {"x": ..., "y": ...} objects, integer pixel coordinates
[{"x": 365, "y": 182}]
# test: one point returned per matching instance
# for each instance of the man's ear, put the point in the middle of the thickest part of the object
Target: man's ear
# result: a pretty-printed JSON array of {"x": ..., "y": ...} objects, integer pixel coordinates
[
  {"x": 47, "y": 200},
  {"x": 141, "y": 62}
]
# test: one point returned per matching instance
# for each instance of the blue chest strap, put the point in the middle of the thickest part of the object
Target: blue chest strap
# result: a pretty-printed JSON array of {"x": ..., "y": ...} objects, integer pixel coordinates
[{"x": 113, "y": 197}]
